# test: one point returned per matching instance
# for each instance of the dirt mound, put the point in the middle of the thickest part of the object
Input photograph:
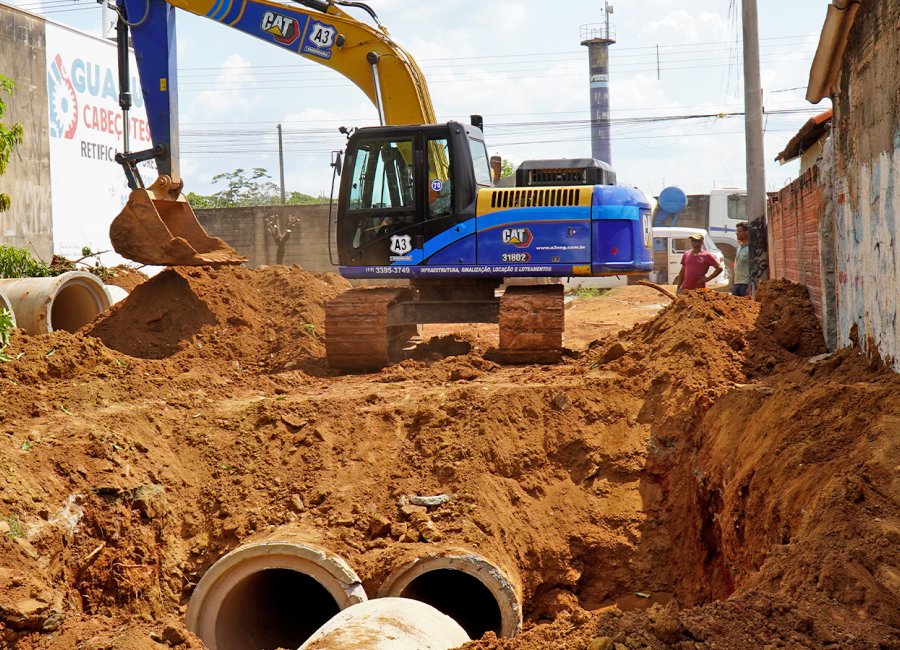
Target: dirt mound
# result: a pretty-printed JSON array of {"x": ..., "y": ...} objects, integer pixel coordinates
[
  {"x": 125, "y": 277},
  {"x": 693, "y": 351},
  {"x": 267, "y": 317},
  {"x": 787, "y": 315},
  {"x": 58, "y": 356},
  {"x": 731, "y": 338}
]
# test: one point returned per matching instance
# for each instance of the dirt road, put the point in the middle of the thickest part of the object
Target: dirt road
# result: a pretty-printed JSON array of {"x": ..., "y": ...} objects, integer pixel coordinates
[{"x": 686, "y": 478}]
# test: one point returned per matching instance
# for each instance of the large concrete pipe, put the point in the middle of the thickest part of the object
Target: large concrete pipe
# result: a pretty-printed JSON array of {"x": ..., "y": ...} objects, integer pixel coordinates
[
  {"x": 389, "y": 624},
  {"x": 116, "y": 294},
  {"x": 474, "y": 592},
  {"x": 7, "y": 305},
  {"x": 270, "y": 594},
  {"x": 65, "y": 302}
]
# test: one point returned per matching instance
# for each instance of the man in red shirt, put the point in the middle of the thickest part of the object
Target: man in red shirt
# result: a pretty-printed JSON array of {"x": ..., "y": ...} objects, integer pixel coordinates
[{"x": 694, "y": 265}]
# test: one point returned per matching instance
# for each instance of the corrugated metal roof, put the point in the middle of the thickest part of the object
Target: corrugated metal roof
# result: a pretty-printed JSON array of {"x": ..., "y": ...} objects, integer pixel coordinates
[{"x": 808, "y": 134}]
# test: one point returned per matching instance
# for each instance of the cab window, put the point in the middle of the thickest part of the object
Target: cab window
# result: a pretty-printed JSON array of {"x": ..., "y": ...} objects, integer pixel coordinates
[
  {"x": 440, "y": 196},
  {"x": 481, "y": 163},
  {"x": 383, "y": 176}
]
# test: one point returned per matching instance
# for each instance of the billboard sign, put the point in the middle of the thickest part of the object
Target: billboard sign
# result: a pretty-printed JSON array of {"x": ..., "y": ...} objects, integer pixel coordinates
[{"x": 86, "y": 129}]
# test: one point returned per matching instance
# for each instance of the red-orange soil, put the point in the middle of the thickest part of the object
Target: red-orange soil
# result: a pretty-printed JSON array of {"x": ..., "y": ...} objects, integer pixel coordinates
[
  {"x": 692, "y": 482},
  {"x": 125, "y": 277}
]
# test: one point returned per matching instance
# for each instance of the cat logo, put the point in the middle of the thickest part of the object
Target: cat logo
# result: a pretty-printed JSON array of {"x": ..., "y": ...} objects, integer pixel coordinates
[
  {"x": 518, "y": 237},
  {"x": 285, "y": 29}
]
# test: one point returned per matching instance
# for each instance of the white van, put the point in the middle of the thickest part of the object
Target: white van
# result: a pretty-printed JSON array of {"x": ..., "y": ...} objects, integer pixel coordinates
[{"x": 670, "y": 244}]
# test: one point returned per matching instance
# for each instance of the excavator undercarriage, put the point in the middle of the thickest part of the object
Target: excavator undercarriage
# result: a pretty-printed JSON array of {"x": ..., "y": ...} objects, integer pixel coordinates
[{"x": 367, "y": 329}]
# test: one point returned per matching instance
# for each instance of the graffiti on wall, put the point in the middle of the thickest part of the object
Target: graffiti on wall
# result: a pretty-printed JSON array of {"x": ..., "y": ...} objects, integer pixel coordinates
[{"x": 868, "y": 261}]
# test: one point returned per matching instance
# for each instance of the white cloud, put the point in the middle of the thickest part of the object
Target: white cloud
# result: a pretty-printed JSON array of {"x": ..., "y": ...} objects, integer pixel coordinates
[
  {"x": 683, "y": 28},
  {"x": 223, "y": 102}
]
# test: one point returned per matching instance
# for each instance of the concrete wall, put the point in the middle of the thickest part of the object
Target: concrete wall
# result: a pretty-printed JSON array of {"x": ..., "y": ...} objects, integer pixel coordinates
[
  {"x": 794, "y": 223},
  {"x": 245, "y": 230},
  {"x": 28, "y": 223},
  {"x": 866, "y": 184}
]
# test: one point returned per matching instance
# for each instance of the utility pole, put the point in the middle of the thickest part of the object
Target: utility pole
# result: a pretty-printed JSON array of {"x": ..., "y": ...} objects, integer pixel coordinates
[
  {"x": 753, "y": 134},
  {"x": 281, "y": 163}
]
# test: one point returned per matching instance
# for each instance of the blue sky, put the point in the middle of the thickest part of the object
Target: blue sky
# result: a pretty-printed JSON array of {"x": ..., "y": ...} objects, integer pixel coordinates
[{"x": 520, "y": 65}]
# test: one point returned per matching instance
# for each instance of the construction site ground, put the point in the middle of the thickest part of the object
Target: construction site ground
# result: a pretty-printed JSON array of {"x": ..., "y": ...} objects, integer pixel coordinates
[{"x": 692, "y": 475}]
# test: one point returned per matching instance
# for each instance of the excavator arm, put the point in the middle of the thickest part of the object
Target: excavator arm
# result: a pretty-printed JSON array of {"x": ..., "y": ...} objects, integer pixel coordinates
[{"x": 157, "y": 225}]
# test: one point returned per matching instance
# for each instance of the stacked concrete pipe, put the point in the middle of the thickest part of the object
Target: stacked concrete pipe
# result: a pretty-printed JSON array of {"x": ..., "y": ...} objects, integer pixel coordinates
[
  {"x": 7, "y": 305},
  {"x": 271, "y": 593},
  {"x": 64, "y": 302},
  {"x": 469, "y": 588}
]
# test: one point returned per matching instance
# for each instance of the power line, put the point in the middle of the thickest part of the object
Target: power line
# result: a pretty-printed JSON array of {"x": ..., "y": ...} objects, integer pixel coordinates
[
  {"x": 311, "y": 141},
  {"x": 496, "y": 61},
  {"x": 308, "y": 74},
  {"x": 353, "y": 120}
]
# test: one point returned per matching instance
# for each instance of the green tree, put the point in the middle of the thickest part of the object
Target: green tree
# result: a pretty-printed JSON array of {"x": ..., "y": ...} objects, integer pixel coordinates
[
  {"x": 506, "y": 169},
  {"x": 299, "y": 198},
  {"x": 249, "y": 188},
  {"x": 10, "y": 136},
  {"x": 246, "y": 188}
]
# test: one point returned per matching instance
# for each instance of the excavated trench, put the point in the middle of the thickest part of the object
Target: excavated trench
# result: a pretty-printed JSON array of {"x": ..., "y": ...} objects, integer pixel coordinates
[
  {"x": 675, "y": 463},
  {"x": 583, "y": 488},
  {"x": 578, "y": 514}
]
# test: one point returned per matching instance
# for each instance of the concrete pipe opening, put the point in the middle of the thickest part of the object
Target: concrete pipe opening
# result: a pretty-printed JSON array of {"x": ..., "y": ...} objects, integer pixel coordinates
[
  {"x": 466, "y": 587},
  {"x": 66, "y": 302},
  {"x": 270, "y": 595}
]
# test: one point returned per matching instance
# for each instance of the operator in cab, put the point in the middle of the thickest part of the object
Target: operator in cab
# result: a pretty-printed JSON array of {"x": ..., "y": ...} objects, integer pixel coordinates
[{"x": 695, "y": 263}]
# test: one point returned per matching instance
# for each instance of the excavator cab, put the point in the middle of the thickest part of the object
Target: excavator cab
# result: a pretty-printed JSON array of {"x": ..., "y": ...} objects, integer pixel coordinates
[{"x": 404, "y": 185}]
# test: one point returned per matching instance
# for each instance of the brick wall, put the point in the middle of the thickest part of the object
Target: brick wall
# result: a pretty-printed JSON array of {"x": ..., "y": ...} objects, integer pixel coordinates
[{"x": 794, "y": 214}]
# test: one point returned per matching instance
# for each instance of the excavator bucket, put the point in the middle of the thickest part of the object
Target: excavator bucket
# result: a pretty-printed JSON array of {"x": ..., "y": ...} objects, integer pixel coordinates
[{"x": 157, "y": 226}]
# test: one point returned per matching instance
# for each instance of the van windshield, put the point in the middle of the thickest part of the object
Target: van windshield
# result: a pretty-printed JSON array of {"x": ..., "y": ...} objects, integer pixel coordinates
[
  {"x": 737, "y": 207},
  {"x": 682, "y": 244}
]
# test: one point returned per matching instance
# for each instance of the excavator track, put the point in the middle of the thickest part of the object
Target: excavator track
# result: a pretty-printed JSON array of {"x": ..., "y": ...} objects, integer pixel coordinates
[
  {"x": 358, "y": 331},
  {"x": 531, "y": 321}
]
